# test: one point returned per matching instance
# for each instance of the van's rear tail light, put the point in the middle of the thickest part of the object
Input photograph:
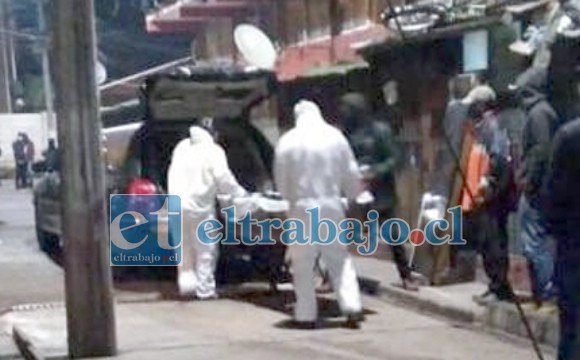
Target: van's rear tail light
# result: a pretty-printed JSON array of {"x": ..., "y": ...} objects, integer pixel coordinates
[{"x": 141, "y": 187}]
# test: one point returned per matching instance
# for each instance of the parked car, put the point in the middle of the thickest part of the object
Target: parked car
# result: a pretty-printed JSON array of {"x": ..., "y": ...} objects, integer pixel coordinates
[{"x": 137, "y": 154}]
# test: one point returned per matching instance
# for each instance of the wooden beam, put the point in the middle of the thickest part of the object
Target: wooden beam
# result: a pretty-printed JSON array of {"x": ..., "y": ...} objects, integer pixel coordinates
[
  {"x": 219, "y": 9},
  {"x": 170, "y": 26}
]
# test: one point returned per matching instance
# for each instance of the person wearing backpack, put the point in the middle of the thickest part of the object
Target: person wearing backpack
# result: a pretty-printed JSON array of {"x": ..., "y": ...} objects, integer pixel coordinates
[{"x": 484, "y": 199}]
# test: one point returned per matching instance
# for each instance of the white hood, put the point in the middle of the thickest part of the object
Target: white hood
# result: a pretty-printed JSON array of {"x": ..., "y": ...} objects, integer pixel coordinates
[
  {"x": 314, "y": 162},
  {"x": 199, "y": 172},
  {"x": 199, "y": 135},
  {"x": 307, "y": 114}
]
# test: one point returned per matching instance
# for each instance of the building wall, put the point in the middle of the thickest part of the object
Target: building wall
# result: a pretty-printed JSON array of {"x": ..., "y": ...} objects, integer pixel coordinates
[
  {"x": 289, "y": 22},
  {"x": 301, "y": 20}
]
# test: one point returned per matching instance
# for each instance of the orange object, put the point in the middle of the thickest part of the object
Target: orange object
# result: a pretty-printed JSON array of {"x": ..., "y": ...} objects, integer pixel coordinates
[{"x": 478, "y": 166}]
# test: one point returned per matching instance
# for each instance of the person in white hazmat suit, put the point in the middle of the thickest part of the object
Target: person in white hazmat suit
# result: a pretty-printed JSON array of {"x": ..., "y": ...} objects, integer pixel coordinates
[
  {"x": 198, "y": 173},
  {"x": 315, "y": 167}
]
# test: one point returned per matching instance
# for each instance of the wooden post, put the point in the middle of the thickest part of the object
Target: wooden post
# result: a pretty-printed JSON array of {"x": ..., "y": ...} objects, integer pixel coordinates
[
  {"x": 5, "y": 94},
  {"x": 335, "y": 26},
  {"x": 89, "y": 294}
]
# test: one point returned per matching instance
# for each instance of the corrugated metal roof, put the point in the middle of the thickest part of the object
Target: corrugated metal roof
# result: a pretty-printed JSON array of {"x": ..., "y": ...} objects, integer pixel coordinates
[{"x": 451, "y": 31}]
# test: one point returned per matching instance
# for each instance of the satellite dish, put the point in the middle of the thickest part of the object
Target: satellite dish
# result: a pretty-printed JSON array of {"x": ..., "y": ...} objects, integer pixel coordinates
[
  {"x": 100, "y": 73},
  {"x": 255, "y": 47}
]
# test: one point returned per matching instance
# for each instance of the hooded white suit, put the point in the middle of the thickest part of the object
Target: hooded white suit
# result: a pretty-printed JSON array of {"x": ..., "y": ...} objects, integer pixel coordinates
[
  {"x": 198, "y": 173},
  {"x": 315, "y": 167}
]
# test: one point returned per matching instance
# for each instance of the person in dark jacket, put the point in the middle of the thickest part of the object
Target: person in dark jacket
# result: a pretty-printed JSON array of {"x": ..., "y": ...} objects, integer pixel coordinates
[
  {"x": 562, "y": 199},
  {"x": 564, "y": 222},
  {"x": 51, "y": 155},
  {"x": 542, "y": 122},
  {"x": 456, "y": 114},
  {"x": 375, "y": 149},
  {"x": 482, "y": 225},
  {"x": 19, "y": 151},
  {"x": 454, "y": 119},
  {"x": 30, "y": 152}
]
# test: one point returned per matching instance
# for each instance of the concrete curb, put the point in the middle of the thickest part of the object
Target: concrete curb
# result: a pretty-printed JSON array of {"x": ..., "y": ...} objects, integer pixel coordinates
[
  {"x": 412, "y": 300},
  {"x": 498, "y": 317},
  {"x": 131, "y": 299},
  {"x": 27, "y": 349},
  {"x": 35, "y": 307},
  {"x": 505, "y": 317},
  {"x": 25, "y": 346},
  {"x": 8, "y": 349}
]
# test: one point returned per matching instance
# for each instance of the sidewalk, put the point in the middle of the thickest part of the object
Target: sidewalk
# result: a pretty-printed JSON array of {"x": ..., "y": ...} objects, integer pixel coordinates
[
  {"x": 452, "y": 301},
  {"x": 8, "y": 350},
  {"x": 456, "y": 302},
  {"x": 222, "y": 326},
  {"x": 248, "y": 324}
]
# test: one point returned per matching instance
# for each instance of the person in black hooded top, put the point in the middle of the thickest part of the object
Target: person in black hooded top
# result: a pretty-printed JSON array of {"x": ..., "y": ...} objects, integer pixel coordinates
[
  {"x": 374, "y": 145},
  {"x": 562, "y": 198},
  {"x": 564, "y": 221},
  {"x": 541, "y": 125}
]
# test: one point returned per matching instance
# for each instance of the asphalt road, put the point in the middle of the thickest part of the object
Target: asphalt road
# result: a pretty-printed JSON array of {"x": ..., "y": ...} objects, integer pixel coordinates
[{"x": 27, "y": 275}]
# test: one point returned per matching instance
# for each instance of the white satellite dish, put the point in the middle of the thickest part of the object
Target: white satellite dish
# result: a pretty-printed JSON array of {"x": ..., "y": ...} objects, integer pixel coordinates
[
  {"x": 100, "y": 73},
  {"x": 255, "y": 47}
]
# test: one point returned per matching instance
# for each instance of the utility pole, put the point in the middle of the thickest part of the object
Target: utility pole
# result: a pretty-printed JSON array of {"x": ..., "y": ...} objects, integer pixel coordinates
[
  {"x": 89, "y": 294},
  {"x": 11, "y": 48},
  {"x": 335, "y": 26},
  {"x": 5, "y": 93},
  {"x": 46, "y": 77}
]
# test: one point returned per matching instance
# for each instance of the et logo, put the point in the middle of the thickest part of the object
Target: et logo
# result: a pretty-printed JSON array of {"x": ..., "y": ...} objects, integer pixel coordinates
[{"x": 145, "y": 230}]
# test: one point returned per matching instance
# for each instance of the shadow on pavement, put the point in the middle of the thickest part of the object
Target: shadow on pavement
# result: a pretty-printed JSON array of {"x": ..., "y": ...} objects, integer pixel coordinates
[
  {"x": 323, "y": 324},
  {"x": 244, "y": 284},
  {"x": 283, "y": 301}
]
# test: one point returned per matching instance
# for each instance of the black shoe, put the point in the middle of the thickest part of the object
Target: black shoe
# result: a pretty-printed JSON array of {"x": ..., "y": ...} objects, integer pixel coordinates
[
  {"x": 494, "y": 296},
  {"x": 507, "y": 296},
  {"x": 353, "y": 321}
]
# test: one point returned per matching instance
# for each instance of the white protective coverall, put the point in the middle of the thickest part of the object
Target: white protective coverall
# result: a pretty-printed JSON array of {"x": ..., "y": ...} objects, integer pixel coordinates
[
  {"x": 198, "y": 173},
  {"x": 315, "y": 167}
]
